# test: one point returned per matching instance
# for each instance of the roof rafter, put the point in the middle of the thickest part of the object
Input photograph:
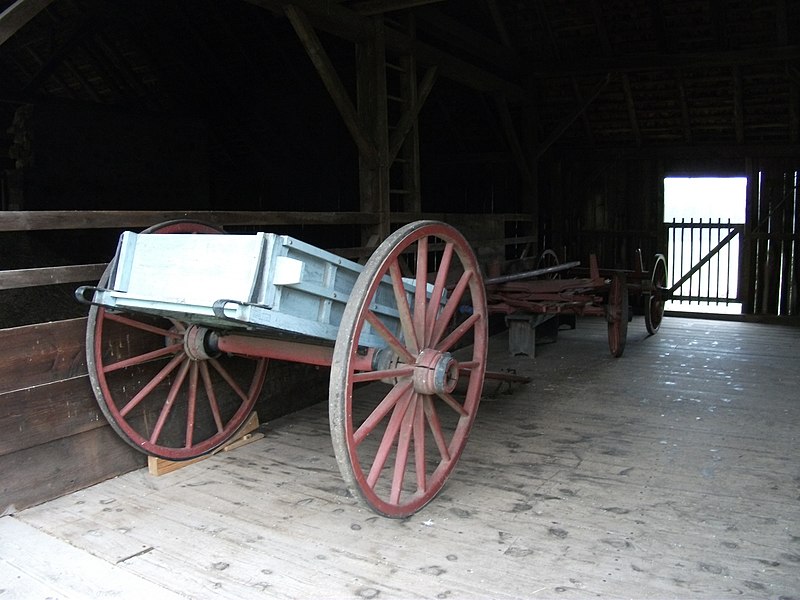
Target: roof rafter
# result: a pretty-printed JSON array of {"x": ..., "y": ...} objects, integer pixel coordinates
[
  {"x": 347, "y": 24},
  {"x": 377, "y": 7},
  {"x": 17, "y": 15},
  {"x": 659, "y": 62}
]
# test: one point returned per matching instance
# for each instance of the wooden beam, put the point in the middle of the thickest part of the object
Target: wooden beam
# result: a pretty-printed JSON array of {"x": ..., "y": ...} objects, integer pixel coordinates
[
  {"x": 305, "y": 31},
  {"x": 499, "y": 23},
  {"x": 794, "y": 110},
  {"x": 377, "y": 7},
  {"x": 738, "y": 104},
  {"x": 17, "y": 15},
  {"x": 22, "y": 278},
  {"x": 374, "y": 188},
  {"x": 682, "y": 102},
  {"x": 559, "y": 131},
  {"x": 626, "y": 86},
  {"x": 587, "y": 124},
  {"x": 409, "y": 117},
  {"x": 113, "y": 219},
  {"x": 513, "y": 141},
  {"x": 659, "y": 25},
  {"x": 454, "y": 33},
  {"x": 89, "y": 22},
  {"x": 665, "y": 61},
  {"x": 602, "y": 31},
  {"x": 347, "y": 24},
  {"x": 678, "y": 151},
  {"x": 781, "y": 22}
]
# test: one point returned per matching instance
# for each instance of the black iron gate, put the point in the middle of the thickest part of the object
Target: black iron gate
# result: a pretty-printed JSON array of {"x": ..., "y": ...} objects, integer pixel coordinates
[{"x": 704, "y": 262}]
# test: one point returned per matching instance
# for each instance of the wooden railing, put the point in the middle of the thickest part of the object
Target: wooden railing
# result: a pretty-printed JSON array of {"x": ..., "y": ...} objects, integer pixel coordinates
[{"x": 72, "y": 220}]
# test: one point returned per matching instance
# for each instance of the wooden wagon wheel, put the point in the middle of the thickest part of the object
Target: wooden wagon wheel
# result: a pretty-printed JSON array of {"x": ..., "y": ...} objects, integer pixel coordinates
[
  {"x": 548, "y": 259},
  {"x": 617, "y": 315},
  {"x": 156, "y": 385},
  {"x": 399, "y": 430},
  {"x": 654, "y": 299}
]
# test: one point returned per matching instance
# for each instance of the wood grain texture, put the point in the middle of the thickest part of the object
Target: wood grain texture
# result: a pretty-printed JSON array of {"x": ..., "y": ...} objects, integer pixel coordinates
[
  {"x": 100, "y": 219},
  {"x": 43, "y": 413},
  {"x": 670, "y": 472},
  {"x": 39, "y": 354},
  {"x": 50, "y": 470}
]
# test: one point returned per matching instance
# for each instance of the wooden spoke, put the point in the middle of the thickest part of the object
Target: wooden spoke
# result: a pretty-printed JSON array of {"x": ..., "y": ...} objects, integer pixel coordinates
[
  {"x": 143, "y": 358},
  {"x": 450, "y": 308},
  {"x": 419, "y": 445},
  {"x": 453, "y": 403},
  {"x": 211, "y": 395},
  {"x": 401, "y": 298},
  {"x": 436, "y": 428},
  {"x": 377, "y": 415},
  {"x": 192, "y": 408},
  {"x": 141, "y": 326},
  {"x": 458, "y": 333},
  {"x": 389, "y": 337},
  {"x": 421, "y": 288},
  {"x": 389, "y": 437},
  {"x": 403, "y": 446},
  {"x": 167, "y": 407},
  {"x": 403, "y": 371},
  {"x": 438, "y": 288},
  {"x": 152, "y": 384}
]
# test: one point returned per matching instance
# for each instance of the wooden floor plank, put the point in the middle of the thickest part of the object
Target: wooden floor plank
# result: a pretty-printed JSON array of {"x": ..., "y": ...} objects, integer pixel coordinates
[
  {"x": 34, "y": 564},
  {"x": 670, "y": 472}
]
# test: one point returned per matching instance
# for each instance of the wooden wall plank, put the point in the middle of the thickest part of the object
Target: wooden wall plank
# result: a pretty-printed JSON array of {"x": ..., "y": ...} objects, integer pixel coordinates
[
  {"x": 40, "y": 414},
  {"x": 32, "y": 476},
  {"x": 101, "y": 219},
  {"x": 21, "y": 278},
  {"x": 39, "y": 354}
]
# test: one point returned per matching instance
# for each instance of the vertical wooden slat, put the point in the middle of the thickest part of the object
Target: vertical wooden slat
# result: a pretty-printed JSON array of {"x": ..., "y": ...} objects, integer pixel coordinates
[
  {"x": 795, "y": 304},
  {"x": 747, "y": 254},
  {"x": 787, "y": 223},
  {"x": 762, "y": 228}
]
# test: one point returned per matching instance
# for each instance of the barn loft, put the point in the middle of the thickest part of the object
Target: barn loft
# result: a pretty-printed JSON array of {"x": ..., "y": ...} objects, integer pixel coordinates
[{"x": 533, "y": 134}]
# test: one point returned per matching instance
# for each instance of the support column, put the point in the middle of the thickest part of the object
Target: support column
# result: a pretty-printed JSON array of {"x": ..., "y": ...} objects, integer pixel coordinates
[{"x": 373, "y": 113}]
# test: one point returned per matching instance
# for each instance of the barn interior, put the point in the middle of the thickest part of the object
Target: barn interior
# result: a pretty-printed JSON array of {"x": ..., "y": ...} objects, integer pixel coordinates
[{"x": 535, "y": 129}]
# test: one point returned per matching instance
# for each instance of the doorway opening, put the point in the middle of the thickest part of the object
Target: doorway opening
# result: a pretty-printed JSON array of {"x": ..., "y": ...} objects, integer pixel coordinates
[{"x": 705, "y": 219}]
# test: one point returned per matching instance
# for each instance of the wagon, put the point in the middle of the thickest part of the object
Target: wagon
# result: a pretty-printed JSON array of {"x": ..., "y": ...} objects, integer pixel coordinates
[
  {"x": 603, "y": 293},
  {"x": 182, "y": 326}
]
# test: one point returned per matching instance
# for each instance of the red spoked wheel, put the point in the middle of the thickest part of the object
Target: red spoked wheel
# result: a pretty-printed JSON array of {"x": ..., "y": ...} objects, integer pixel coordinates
[
  {"x": 617, "y": 313},
  {"x": 399, "y": 429},
  {"x": 156, "y": 384},
  {"x": 655, "y": 298}
]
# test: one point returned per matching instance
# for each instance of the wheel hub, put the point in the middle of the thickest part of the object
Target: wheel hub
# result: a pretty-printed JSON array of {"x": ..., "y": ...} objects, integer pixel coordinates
[
  {"x": 435, "y": 372},
  {"x": 195, "y": 343}
]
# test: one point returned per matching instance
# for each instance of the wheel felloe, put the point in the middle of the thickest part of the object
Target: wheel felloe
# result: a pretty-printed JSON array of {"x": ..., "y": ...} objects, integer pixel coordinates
[{"x": 398, "y": 438}]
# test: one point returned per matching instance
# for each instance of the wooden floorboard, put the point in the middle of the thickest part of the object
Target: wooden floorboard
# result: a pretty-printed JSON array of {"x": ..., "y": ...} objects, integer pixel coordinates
[{"x": 671, "y": 472}]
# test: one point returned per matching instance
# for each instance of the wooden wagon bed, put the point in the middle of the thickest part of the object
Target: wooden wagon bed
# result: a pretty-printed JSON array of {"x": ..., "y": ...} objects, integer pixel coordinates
[{"x": 668, "y": 473}]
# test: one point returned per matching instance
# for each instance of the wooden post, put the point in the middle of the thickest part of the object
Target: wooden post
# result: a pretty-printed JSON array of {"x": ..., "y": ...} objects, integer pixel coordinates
[
  {"x": 747, "y": 254},
  {"x": 373, "y": 112}
]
